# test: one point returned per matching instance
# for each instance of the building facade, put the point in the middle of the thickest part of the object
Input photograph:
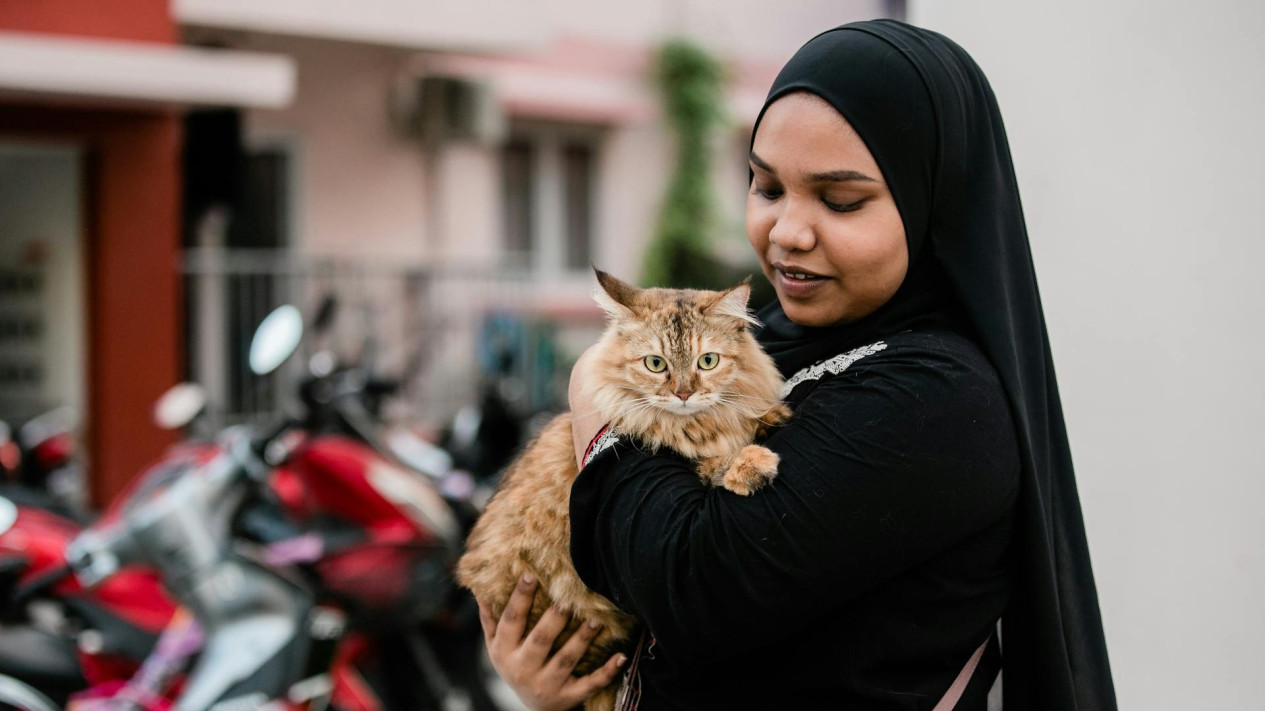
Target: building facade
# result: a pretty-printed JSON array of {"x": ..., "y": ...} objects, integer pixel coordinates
[{"x": 170, "y": 170}]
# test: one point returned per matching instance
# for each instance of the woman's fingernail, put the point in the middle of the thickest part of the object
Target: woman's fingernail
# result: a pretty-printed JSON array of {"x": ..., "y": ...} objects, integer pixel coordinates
[
  {"x": 620, "y": 662},
  {"x": 528, "y": 579},
  {"x": 594, "y": 624}
]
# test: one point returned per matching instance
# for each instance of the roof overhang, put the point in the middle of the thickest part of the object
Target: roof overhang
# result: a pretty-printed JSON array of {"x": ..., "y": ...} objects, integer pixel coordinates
[
  {"x": 528, "y": 89},
  {"x": 500, "y": 26},
  {"x": 96, "y": 72}
]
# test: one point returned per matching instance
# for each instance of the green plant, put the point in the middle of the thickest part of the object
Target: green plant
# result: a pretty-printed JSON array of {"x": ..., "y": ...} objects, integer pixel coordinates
[{"x": 690, "y": 82}]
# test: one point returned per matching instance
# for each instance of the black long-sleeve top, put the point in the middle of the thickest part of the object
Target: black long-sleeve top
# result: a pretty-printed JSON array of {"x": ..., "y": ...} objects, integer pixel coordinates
[{"x": 863, "y": 577}]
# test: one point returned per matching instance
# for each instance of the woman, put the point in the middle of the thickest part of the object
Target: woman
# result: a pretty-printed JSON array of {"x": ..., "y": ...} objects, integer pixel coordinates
[{"x": 926, "y": 488}]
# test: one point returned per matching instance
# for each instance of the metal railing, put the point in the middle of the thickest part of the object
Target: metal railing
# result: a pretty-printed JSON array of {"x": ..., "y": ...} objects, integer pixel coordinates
[{"x": 441, "y": 330}]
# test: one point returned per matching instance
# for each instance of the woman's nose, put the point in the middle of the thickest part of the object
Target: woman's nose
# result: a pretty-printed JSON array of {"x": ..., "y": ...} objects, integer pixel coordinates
[{"x": 792, "y": 231}]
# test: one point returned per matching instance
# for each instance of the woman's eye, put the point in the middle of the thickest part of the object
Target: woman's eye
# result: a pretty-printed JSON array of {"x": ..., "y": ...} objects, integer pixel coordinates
[
  {"x": 655, "y": 364},
  {"x": 708, "y": 361},
  {"x": 843, "y": 207},
  {"x": 767, "y": 193}
]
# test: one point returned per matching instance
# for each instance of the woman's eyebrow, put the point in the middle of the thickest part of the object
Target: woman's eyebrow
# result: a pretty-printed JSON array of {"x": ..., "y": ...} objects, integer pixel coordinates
[
  {"x": 837, "y": 176},
  {"x": 833, "y": 176},
  {"x": 759, "y": 163}
]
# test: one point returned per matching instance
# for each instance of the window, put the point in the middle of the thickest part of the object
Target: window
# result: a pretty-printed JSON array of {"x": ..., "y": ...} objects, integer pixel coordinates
[
  {"x": 577, "y": 162},
  {"x": 549, "y": 196},
  {"x": 518, "y": 162}
]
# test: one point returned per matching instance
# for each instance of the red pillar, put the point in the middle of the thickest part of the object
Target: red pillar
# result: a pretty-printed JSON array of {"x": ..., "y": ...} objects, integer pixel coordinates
[
  {"x": 132, "y": 247},
  {"x": 134, "y": 290}
]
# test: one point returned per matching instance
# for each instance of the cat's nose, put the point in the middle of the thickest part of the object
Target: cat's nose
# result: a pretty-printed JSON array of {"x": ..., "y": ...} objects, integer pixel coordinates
[{"x": 684, "y": 394}]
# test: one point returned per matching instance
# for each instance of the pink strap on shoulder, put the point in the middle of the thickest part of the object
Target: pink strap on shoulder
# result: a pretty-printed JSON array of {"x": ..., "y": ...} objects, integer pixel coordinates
[{"x": 950, "y": 698}]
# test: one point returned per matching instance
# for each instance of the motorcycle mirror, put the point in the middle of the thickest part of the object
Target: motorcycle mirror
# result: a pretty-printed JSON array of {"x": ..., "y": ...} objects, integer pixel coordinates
[
  {"x": 53, "y": 422},
  {"x": 276, "y": 339},
  {"x": 8, "y": 514},
  {"x": 322, "y": 363},
  {"x": 179, "y": 406}
]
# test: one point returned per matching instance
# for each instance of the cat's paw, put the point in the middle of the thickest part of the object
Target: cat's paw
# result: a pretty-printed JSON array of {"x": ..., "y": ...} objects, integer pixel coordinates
[
  {"x": 774, "y": 417},
  {"x": 754, "y": 467},
  {"x": 777, "y": 415}
]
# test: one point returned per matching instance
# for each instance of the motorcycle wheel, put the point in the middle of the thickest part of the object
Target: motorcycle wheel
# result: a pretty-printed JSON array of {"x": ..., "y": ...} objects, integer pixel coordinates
[{"x": 18, "y": 696}]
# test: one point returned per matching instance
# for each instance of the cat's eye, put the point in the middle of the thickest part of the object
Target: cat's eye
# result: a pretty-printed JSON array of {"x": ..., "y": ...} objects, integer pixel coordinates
[
  {"x": 707, "y": 361},
  {"x": 655, "y": 364}
]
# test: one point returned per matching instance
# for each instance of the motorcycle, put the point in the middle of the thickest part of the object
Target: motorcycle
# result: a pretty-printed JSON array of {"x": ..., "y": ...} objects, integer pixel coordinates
[
  {"x": 39, "y": 463},
  {"x": 305, "y": 568},
  {"x": 56, "y": 636}
]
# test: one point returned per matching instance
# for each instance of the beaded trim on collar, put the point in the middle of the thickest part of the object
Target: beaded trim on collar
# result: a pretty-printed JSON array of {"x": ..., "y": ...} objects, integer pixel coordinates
[
  {"x": 602, "y": 442},
  {"x": 832, "y": 366}
]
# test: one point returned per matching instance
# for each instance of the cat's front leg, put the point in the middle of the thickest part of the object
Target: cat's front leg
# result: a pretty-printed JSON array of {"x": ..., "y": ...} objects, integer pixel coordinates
[
  {"x": 712, "y": 469},
  {"x": 754, "y": 467},
  {"x": 777, "y": 415}
]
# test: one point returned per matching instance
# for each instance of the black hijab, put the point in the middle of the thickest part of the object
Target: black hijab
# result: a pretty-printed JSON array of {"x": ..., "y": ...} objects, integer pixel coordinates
[{"x": 928, "y": 115}]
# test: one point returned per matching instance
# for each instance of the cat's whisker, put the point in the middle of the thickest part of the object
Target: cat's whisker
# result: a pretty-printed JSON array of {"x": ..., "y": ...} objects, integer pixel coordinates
[
  {"x": 633, "y": 407},
  {"x": 730, "y": 393},
  {"x": 743, "y": 408},
  {"x": 736, "y": 397},
  {"x": 646, "y": 406}
]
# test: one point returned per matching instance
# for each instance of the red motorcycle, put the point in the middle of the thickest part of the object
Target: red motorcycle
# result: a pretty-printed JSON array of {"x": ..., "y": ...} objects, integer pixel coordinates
[
  {"x": 56, "y": 635},
  {"x": 305, "y": 565},
  {"x": 39, "y": 463}
]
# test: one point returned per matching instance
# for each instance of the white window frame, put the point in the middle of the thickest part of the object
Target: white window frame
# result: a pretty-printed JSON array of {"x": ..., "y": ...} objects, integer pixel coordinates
[{"x": 549, "y": 228}]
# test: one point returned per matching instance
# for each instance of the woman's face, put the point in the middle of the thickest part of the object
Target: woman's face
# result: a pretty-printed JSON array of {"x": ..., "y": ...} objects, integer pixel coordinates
[{"x": 820, "y": 216}]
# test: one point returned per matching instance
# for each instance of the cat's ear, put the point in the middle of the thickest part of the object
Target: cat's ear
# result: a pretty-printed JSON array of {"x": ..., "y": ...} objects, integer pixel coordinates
[
  {"x": 733, "y": 303},
  {"x": 614, "y": 296}
]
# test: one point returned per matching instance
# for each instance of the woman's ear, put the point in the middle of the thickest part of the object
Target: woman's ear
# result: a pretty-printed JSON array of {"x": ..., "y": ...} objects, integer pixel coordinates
[
  {"x": 733, "y": 303},
  {"x": 614, "y": 296}
]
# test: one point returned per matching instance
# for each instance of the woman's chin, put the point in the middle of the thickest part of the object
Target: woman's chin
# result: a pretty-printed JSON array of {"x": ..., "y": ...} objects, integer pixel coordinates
[
  {"x": 818, "y": 315},
  {"x": 807, "y": 317}
]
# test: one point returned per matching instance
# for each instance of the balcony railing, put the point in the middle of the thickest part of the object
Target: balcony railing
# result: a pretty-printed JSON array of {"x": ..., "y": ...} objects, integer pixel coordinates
[{"x": 442, "y": 331}]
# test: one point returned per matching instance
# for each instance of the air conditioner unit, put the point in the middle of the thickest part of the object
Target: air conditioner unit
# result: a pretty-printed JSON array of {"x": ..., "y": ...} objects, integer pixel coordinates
[{"x": 437, "y": 108}]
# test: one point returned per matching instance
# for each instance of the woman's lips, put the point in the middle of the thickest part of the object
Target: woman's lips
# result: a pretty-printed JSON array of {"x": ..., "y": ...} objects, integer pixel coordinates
[{"x": 796, "y": 282}]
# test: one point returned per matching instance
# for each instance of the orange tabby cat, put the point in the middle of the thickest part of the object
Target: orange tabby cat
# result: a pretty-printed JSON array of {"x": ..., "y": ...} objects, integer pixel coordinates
[{"x": 674, "y": 368}]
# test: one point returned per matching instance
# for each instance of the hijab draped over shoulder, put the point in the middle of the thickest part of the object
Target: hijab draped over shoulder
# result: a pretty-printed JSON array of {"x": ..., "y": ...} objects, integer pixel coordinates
[{"x": 929, "y": 117}]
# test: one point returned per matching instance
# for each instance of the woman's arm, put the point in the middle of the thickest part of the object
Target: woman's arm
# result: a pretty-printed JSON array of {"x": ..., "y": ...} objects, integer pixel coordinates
[
  {"x": 585, "y": 419},
  {"x": 881, "y": 468}
]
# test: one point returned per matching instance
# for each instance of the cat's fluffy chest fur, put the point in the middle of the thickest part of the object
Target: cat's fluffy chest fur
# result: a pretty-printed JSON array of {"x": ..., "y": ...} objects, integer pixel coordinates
[{"x": 676, "y": 369}]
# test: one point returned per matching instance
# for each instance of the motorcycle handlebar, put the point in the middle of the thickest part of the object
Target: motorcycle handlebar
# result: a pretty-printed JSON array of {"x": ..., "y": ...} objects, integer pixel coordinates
[
  {"x": 100, "y": 551},
  {"x": 259, "y": 444},
  {"x": 97, "y": 553}
]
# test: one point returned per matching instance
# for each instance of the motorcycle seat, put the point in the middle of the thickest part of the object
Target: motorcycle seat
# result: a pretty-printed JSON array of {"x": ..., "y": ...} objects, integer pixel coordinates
[{"x": 41, "y": 659}]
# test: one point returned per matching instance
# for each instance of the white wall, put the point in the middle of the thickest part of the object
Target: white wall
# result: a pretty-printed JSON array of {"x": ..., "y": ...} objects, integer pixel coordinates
[
  {"x": 748, "y": 30},
  {"x": 361, "y": 183},
  {"x": 40, "y": 204},
  {"x": 1135, "y": 128},
  {"x": 743, "y": 27}
]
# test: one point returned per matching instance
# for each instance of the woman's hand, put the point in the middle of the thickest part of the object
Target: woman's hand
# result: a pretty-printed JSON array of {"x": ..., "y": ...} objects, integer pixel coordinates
[
  {"x": 543, "y": 682},
  {"x": 585, "y": 419}
]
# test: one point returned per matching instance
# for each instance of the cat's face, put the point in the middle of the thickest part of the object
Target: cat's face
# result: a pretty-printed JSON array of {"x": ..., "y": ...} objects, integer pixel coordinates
[{"x": 679, "y": 352}]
